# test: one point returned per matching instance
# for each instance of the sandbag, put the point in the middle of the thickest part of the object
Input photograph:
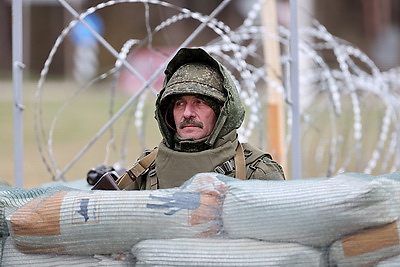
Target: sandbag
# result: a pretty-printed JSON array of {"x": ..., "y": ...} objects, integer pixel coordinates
[
  {"x": 366, "y": 247},
  {"x": 391, "y": 183},
  {"x": 100, "y": 222},
  {"x": 224, "y": 252},
  {"x": 13, "y": 257},
  {"x": 390, "y": 262},
  {"x": 12, "y": 198},
  {"x": 392, "y": 176},
  {"x": 308, "y": 211}
]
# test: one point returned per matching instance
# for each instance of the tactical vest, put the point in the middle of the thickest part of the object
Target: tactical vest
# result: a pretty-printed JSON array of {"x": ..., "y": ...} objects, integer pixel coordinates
[
  {"x": 246, "y": 161},
  {"x": 143, "y": 166}
]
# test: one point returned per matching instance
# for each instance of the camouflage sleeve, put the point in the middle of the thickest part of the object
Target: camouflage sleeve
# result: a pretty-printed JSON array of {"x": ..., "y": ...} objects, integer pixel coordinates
[{"x": 264, "y": 168}]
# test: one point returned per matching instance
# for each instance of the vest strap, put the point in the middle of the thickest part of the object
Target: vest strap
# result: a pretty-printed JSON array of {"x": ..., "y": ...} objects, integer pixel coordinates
[
  {"x": 138, "y": 169},
  {"x": 240, "y": 163},
  {"x": 153, "y": 182}
]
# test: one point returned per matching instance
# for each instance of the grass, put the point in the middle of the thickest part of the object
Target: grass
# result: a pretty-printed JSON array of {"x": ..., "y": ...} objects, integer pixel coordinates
[{"x": 77, "y": 124}]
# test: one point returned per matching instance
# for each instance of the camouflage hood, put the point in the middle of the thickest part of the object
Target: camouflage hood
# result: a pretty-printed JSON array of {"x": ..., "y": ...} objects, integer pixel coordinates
[{"x": 230, "y": 117}]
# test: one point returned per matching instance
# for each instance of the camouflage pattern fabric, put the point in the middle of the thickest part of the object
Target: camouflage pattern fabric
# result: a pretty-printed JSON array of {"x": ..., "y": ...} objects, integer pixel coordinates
[{"x": 195, "y": 79}]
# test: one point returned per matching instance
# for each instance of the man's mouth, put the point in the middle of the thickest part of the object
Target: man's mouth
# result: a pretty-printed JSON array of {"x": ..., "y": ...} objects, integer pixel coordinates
[{"x": 190, "y": 123}]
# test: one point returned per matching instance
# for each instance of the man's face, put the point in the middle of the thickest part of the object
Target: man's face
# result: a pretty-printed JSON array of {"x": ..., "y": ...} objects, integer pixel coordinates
[{"x": 193, "y": 117}]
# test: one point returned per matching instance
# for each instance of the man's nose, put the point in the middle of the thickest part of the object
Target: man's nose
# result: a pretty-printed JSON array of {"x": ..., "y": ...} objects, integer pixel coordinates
[{"x": 188, "y": 111}]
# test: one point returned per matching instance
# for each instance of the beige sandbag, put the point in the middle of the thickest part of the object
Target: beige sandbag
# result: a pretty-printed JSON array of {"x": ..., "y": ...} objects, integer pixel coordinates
[
  {"x": 99, "y": 222},
  {"x": 224, "y": 252},
  {"x": 308, "y": 211},
  {"x": 11, "y": 257},
  {"x": 367, "y": 247}
]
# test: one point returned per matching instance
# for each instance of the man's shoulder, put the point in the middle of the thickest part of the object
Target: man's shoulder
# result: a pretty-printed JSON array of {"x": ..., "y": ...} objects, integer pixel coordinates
[
  {"x": 261, "y": 165},
  {"x": 253, "y": 153}
]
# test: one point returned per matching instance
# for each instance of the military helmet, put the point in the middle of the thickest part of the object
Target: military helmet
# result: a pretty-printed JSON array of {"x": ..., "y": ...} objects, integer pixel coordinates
[{"x": 196, "y": 79}]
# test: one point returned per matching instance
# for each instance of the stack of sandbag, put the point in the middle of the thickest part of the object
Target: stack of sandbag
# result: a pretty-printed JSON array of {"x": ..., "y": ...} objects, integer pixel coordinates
[
  {"x": 346, "y": 220},
  {"x": 11, "y": 199},
  {"x": 102, "y": 222},
  {"x": 309, "y": 214}
]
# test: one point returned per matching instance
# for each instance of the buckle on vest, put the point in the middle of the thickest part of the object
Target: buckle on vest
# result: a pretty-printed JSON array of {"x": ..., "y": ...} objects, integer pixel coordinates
[
  {"x": 219, "y": 170},
  {"x": 247, "y": 153},
  {"x": 226, "y": 167},
  {"x": 131, "y": 175},
  {"x": 152, "y": 172}
]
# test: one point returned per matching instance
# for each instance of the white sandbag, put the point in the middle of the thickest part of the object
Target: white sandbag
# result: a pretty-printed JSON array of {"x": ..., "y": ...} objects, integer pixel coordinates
[
  {"x": 308, "y": 211},
  {"x": 393, "y": 186},
  {"x": 391, "y": 183},
  {"x": 99, "y": 222},
  {"x": 367, "y": 247},
  {"x": 392, "y": 176},
  {"x": 13, "y": 257},
  {"x": 224, "y": 252},
  {"x": 390, "y": 262}
]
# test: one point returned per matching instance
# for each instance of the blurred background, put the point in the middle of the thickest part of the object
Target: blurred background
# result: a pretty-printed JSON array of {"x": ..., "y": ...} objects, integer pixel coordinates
[
  {"x": 371, "y": 25},
  {"x": 68, "y": 101}
]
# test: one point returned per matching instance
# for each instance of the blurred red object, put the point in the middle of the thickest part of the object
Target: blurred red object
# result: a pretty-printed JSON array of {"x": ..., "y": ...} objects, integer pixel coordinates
[{"x": 146, "y": 61}]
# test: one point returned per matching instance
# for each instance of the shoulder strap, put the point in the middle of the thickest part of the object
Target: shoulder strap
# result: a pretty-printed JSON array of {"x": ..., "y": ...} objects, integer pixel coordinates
[
  {"x": 240, "y": 164},
  {"x": 139, "y": 168}
]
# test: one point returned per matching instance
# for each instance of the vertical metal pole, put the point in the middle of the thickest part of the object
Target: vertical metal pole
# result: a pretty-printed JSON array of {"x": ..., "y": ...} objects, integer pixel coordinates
[
  {"x": 294, "y": 87},
  {"x": 17, "y": 87}
]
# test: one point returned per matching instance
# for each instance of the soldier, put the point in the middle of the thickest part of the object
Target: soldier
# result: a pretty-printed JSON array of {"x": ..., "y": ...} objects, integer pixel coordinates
[{"x": 198, "y": 112}]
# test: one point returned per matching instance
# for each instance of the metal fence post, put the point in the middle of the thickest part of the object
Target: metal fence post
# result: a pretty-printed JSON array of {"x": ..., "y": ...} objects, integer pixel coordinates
[
  {"x": 294, "y": 92},
  {"x": 17, "y": 89}
]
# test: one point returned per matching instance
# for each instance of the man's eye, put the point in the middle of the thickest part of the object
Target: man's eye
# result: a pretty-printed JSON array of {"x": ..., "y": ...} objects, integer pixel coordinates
[{"x": 178, "y": 103}]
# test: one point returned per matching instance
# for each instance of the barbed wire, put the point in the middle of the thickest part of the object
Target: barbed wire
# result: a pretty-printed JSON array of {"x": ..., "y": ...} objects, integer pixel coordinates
[{"x": 336, "y": 90}]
